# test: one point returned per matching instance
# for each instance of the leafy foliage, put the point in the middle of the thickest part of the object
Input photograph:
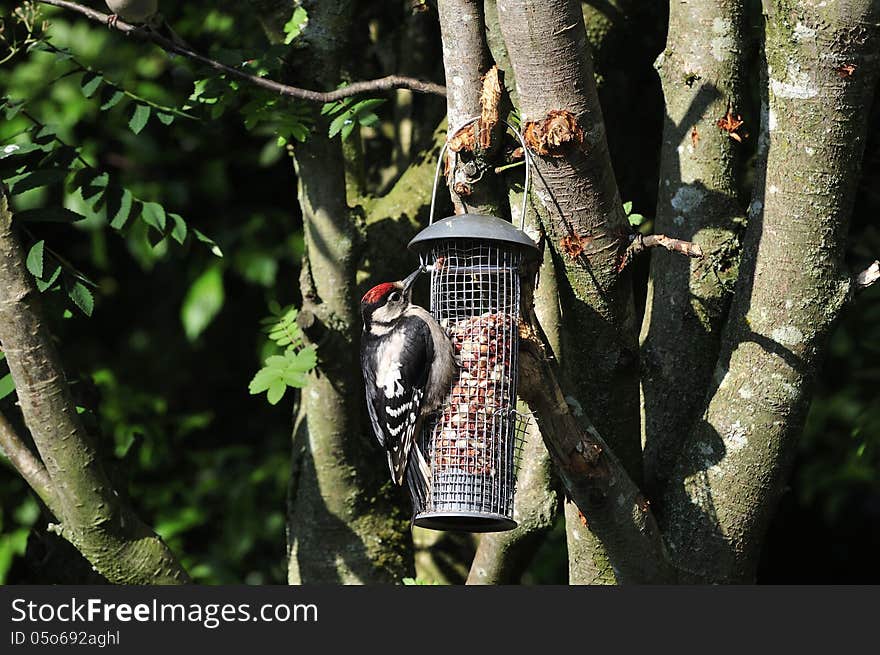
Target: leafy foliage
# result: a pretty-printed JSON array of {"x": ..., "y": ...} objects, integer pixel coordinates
[
  {"x": 263, "y": 113},
  {"x": 349, "y": 113},
  {"x": 634, "y": 219},
  {"x": 7, "y": 386},
  {"x": 289, "y": 369},
  {"x": 294, "y": 27}
]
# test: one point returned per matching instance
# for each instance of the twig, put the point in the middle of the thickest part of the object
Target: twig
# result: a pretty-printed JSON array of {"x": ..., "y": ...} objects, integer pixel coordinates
[
  {"x": 869, "y": 276},
  {"x": 640, "y": 243},
  {"x": 382, "y": 84},
  {"x": 28, "y": 465}
]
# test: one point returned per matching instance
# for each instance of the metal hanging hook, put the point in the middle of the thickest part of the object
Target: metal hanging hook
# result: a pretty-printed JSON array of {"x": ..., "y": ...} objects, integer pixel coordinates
[{"x": 526, "y": 158}]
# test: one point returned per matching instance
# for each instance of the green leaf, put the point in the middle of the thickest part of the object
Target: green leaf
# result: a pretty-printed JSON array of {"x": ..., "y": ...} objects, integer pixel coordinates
[
  {"x": 7, "y": 386},
  {"x": 153, "y": 214},
  {"x": 35, "y": 179},
  {"x": 35, "y": 259},
  {"x": 366, "y": 105},
  {"x": 111, "y": 97},
  {"x": 294, "y": 27},
  {"x": 347, "y": 129},
  {"x": 304, "y": 360},
  {"x": 91, "y": 184},
  {"x": 139, "y": 118},
  {"x": 276, "y": 392},
  {"x": 19, "y": 149},
  {"x": 627, "y": 207},
  {"x": 215, "y": 249},
  {"x": 119, "y": 204},
  {"x": 636, "y": 219},
  {"x": 339, "y": 122},
  {"x": 49, "y": 215},
  {"x": 165, "y": 118},
  {"x": 262, "y": 380},
  {"x": 48, "y": 284},
  {"x": 178, "y": 232},
  {"x": 90, "y": 83},
  {"x": 203, "y": 302},
  {"x": 82, "y": 297}
]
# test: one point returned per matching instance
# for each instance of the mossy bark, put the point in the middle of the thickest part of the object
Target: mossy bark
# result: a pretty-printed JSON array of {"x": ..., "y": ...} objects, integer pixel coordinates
[{"x": 792, "y": 286}]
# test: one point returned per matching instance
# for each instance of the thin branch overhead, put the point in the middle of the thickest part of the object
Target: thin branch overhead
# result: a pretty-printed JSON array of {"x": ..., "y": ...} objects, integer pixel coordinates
[{"x": 146, "y": 34}]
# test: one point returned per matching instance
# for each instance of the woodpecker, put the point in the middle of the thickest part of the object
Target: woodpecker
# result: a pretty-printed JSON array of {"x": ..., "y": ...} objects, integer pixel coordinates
[{"x": 408, "y": 364}]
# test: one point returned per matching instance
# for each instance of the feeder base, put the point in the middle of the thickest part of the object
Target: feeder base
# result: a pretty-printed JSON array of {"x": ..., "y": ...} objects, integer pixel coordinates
[{"x": 464, "y": 521}]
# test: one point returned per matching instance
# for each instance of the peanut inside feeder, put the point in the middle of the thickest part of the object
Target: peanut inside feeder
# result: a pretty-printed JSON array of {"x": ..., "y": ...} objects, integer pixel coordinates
[{"x": 477, "y": 268}]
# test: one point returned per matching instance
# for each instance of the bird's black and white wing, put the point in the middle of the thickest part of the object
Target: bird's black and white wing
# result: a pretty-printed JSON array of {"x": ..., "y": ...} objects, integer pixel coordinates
[{"x": 395, "y": 386}]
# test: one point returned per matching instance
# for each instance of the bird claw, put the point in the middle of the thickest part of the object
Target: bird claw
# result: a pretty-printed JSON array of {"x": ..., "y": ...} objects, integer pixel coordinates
[{"x": 112, "y": 21}]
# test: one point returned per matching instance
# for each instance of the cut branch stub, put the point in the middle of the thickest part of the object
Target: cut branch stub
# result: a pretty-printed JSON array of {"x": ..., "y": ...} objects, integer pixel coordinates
[
  {"x": 869, "y": 276},
  {"x": 554, "y": 135},
  {"x": 481, "y": 133}
]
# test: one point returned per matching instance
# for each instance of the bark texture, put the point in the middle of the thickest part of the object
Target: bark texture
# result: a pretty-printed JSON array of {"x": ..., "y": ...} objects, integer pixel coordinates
[
  {"x": 92, "y": 514},
  {"x": 704, "y": 74},
  {"x": 611, "y": 505},
  {"x": 792, "y": 286},
  {"x": 583, "y": 219}
]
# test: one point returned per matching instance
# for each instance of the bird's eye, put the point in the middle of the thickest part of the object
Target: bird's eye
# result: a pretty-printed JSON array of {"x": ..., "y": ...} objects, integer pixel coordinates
[{"x": 394, "y": 297}]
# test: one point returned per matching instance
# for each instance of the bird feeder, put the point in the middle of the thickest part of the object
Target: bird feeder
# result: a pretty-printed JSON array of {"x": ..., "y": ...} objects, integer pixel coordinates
[{"x": 478, "y": 267}]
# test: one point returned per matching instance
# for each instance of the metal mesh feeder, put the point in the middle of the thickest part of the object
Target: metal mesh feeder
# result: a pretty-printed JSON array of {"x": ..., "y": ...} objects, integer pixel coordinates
[{"x": 477, "y": 264}]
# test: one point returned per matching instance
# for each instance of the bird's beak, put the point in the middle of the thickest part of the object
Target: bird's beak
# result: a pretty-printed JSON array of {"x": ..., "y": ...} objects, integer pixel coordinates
[{"x": 411, "y": 279}]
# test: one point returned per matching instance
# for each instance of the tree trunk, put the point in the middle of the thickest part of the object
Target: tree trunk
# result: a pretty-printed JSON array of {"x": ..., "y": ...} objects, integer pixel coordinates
[
  {"x": 821, "y": 63},
  {"x": 584, "y": 223},
  {"x": 345, "y": 520},
  {"x": 704, "y": 74},
  {"x": 92, "y": 515}
]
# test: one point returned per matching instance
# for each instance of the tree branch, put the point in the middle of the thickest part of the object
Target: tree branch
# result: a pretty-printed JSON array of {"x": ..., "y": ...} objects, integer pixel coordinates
[
  {"x": 474, "y": 90},
  {"x": 28, "y": 465},
  {"x": 575, "y": 186},
  {"x": 344, "y": 523},
  {"x": 610, "y": 503},
  {"x": 96, "y": 520},
  {"x": 641, "y": 243},
  {"x": 387, "y": 83},
  {"x": 706, "y": 75}
]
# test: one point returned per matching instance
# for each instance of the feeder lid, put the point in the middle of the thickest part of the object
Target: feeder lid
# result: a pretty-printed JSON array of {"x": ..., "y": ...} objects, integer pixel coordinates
[{"x": 474, "y": 226}]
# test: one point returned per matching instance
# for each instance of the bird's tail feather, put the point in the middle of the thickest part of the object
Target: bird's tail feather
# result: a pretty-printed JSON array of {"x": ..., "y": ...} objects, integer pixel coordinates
[{"x": 418, "y": 479}]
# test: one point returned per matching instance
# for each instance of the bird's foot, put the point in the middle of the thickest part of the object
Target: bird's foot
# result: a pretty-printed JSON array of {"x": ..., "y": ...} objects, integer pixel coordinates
[{"x": 112, "y": 21}]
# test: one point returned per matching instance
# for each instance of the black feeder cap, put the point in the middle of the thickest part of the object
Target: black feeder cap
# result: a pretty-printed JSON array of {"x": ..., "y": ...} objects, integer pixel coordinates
[{"x": 477, "y": 227}]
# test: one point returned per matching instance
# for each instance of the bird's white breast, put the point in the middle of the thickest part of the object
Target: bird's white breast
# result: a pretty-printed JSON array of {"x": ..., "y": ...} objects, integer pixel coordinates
[{"x": 387, "y": 366}]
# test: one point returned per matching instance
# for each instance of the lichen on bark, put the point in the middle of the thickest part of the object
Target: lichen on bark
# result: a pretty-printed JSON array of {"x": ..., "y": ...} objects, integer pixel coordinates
[
  {"x": 792, "y": 286},
  {"x": 704, "y": 71}
]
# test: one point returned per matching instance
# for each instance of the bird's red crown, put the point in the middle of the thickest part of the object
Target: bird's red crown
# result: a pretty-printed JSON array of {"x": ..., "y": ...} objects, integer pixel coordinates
[{"x": 378, "y": 292}]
